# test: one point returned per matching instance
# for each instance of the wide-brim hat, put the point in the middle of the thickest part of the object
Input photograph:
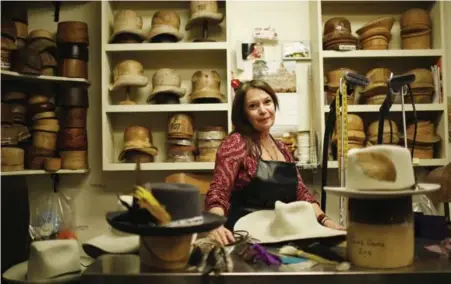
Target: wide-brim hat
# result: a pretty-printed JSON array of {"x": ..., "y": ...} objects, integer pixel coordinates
[
  {"x": 137, "y": 32},
  {"x": 129, "y": 81},
  {"x": 202, "y": 16},
  {"x": 206, "y": 222},
  {"x": 152, "y": 151},
  {"x": 287, "y": 222},
  {"x": 165, "y": 29},
  {"x": 381, "y": 171},
  {"x": 111, "y": 243},
  {"x": 166, "y": 89}
]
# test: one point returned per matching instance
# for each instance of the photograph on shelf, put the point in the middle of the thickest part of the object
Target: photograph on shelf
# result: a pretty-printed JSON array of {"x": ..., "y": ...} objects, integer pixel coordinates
[
  {"x": 281, "y": 76},
  {"x": 252, "y": 51},
  {"x": 296, "y": 50}
]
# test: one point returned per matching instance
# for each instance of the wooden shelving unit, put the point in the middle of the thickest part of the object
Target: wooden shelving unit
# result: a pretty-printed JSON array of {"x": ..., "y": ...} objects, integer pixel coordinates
[
  {"x": 42, "y": 172},
  {"x": 396, "y": 59},
  {"x": 186, "y": 57}
]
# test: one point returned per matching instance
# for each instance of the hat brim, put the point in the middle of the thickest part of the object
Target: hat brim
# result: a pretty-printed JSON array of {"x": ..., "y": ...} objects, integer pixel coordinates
[
  {"x": 200, "y": 17},
  {"x": 153, "y": 151},
  {"x": 119, "y": 221},
  {"x": 258, "y": 225},
  {"x": 206, "y": 94},
  {"x": 421, "y": 188},
  {"x": 159, "y": 30},
  {"x": 18, "y": 274},
  {"x": 140, "y": 33},
  {"x": 111, "y": 244},
  {"x": 130, "y": 80},
  {"x": 166, "y": 89}
]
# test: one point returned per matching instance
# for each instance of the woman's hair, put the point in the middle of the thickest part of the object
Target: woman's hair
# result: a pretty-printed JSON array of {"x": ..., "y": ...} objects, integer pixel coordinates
[{"x": 240, "y": 120}]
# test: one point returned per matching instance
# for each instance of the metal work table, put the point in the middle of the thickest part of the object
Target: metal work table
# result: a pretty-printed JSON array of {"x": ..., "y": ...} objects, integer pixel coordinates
[{"x": 427, "y": 268}]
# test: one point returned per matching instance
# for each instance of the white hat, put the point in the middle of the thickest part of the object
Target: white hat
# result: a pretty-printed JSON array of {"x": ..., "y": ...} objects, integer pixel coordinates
[
  {"x": 126, "y": 21},
  {"x": 287, "y": 222},
  {"x": 113, "y": 242},
  {"x": 381, "y": 171},
  {"x": 50, "y": 261}
]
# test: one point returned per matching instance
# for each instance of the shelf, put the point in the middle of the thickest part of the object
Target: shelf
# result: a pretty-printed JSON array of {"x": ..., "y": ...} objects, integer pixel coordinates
[
  {"x": 372, "y": 7},
  {"x": 166, "y": 46},
  {"x": 42, "y": 172},
  {"x": 12, "y": 75},
  {"x": 395, "y": 107},
  {"x": 416, "y": 163},
  {"x": 161, "y": 166},
  {"x": 383, "y": 53},
  {"x": 166, "y": 108}
]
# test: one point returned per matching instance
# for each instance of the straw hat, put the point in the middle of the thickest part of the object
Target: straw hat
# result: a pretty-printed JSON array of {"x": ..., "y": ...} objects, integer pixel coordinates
[
  {"x": 204, "y": 11},
  {"x": 127, "y": 22},
  {"x": 166, "y": 80},
  {"x": 206, "y": 85},
  {"x": 128, "y": 73},
  {"x": 381, "y": 171},
  {"x": 287, "y": 222},
  {"x": 138, "y": 138},
  {"x": 50, "y": 261},
  {"x": 390, "y": 134},
  {"x": 165, "y": 22}
]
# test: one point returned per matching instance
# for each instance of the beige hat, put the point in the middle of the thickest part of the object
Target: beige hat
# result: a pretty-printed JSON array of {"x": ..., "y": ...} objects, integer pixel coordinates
[
  {"x": 205, "y": 85},
  {"x": 165, "y": 22},
  {"x": 378, "y": 78},
  {"x": 166, "y": 80},
  {"x": 138, "y": 138},
  {"x": 126, "y": 21},
  {"x": 128, "y": 73},
  {"x": 204, "y": 11},
  {"x": 50, "y": 261}
]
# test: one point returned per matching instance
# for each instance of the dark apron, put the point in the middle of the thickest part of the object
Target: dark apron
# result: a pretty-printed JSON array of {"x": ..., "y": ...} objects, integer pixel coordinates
[{"x": 274, "y": 180}]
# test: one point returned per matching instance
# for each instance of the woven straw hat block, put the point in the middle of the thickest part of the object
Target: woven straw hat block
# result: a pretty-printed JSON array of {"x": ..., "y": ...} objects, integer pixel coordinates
[
  {"x": 166, "y": 80},
  {"x": 423, "y": 79},
  {"x": 128, "y": 22},
  {"x": 128, "y": 73},
  {"x": 425, "y": 132},
  {"x": 206, "y": 85},
  {"x": 378, "y": 78},
  {"x": 138, "y": 138},
  {"x": 202, "y": 11},
  {"x": 381, "y": 26},
  {"x": 166, "y": 22},
  {"x": 181, "y": 126}
]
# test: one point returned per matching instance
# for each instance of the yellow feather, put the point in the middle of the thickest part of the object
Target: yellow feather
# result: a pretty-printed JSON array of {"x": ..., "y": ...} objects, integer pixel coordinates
[{"x": 148, "y": 201}]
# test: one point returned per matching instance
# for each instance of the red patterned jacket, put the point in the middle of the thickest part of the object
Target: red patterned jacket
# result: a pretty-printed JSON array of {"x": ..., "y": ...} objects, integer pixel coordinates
[{"x": 235, "y": 168}]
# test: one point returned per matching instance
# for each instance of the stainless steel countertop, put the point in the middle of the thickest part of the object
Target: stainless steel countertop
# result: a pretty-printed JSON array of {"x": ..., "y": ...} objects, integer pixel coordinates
[{"x": 427, "y": 268}]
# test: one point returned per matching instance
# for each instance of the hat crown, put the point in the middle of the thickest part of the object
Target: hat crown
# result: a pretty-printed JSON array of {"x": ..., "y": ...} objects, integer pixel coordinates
[
  {"x": 378, "y": 75},
  {"x": 166, "y": 18},
  {"x": 380, "y": 167},
  {"x": 206, "y": 79},
  {"x": 286, "y": 217},
  {"x": 166, "y": 77},
  {"x": 127, "y": 19},
  {"x": 180, "y": 124},
  {"x": 201, "y": 6},
  {"x": 128, "y": 67},
  {"x": 422, "y": 75},
  {"x": 52, "y": 258},
  {"x": 138, "y": 134},
  {"x": 40, "y": 33},
  {"x": 337, "y": 24}
]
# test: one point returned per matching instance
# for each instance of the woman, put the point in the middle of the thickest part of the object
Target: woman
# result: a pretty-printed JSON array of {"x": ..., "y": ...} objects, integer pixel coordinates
[{"x": 252, "y": 170}]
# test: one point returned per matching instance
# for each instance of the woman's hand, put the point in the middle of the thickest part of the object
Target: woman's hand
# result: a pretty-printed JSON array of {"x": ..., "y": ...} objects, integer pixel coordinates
[
  {"x": 222, "y": 235},
  {"x": 331, "y": 224}
]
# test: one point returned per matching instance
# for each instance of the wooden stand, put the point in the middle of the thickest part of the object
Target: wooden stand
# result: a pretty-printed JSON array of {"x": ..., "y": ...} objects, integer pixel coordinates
[
  {"x": 127, "y": 100},
  {"x": 166, "y": 253},
  {"x": 204, "y": 38},
  {"x": 380, "y": 232}
]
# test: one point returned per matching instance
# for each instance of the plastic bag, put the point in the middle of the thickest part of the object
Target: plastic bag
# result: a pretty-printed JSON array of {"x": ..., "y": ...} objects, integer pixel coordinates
[{"x": 52, "y": 218}]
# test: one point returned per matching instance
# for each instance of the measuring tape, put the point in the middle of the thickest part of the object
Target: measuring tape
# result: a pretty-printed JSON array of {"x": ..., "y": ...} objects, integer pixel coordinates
[{"x": 341, "y": 114}]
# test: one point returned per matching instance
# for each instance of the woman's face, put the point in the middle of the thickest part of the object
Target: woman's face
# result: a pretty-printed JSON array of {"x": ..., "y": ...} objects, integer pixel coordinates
[{"x": 260, "y": 109}]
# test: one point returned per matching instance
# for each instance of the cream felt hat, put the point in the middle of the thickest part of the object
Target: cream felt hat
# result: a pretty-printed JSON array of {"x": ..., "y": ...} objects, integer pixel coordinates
[
  {"x": 126, "y": 21},
  {"x": 128, "y": 73},
  {"x": 204, "y": 11},
  {"x": 50, "y": 261},
  {"x": 113, "y": 242},
  {"x": 287, "y": 222},
  {"x": 166, "y": 80},
  {"x": 165, "y": 22},
  {"x": 381, "y": 171}
]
